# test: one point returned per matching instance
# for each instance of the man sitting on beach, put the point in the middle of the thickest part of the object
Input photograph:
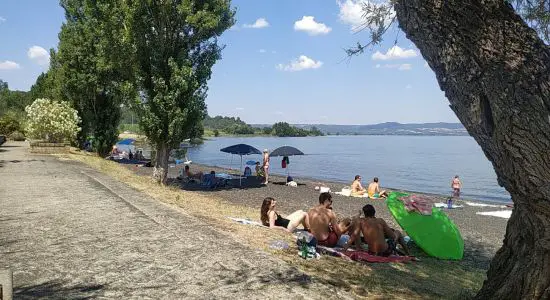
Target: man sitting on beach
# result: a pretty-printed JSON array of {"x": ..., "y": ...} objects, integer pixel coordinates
[
  {"x": 356, "y": 188},
  {"x": 380, "y": 238},
  {"x": 374, "y": 190},
  {"x": 323, "y": 223},
  {"x": 190, "y": 176}
]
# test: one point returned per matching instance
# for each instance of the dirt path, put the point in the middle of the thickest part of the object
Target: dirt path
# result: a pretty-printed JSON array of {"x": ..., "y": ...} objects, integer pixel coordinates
[{"x": 69, "y": 232}]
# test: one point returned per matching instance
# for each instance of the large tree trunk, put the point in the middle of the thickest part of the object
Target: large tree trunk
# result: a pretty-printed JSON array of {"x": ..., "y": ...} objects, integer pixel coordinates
[
  {"x": 160, "y": 172},
  {"x": 495, "y": 71}
]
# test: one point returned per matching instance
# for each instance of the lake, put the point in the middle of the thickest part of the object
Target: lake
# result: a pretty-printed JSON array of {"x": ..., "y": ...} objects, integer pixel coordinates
[{"x": 415, "y": 163}]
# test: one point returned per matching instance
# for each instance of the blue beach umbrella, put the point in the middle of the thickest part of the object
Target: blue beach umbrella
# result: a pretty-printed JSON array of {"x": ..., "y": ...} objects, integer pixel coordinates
[
  {"x": 241, "y": 149},
  {"x": 250, "y": 162}
]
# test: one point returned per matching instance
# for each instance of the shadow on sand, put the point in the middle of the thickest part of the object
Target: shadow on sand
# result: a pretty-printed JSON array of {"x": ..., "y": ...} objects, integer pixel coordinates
[{"x": 58, "y": 290}]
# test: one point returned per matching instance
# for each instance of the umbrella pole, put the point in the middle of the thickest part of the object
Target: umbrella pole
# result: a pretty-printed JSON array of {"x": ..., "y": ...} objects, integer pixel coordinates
[{"x": 241, "y": 168}]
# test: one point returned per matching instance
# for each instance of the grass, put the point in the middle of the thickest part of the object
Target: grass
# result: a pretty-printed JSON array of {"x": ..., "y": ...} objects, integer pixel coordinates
[{"x": 430, "y": 278}]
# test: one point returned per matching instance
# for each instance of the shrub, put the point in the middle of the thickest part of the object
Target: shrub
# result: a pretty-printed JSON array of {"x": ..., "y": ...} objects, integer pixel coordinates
[
  {"x": 52, "y": 121},
  {"x": 9, "y": 124},
  {"x": 17, "y": 136}
]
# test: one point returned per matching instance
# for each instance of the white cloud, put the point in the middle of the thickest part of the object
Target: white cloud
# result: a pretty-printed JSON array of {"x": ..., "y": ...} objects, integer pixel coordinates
[
  {"x": 39, "y": 55},
  {"x": 262, "y": 51},
  {"x": 302, "y": 63},
  {"x": 405, "y": 67},
  {"x": 408, "y": 86},
  {"x": 351, "y": 13},
  {"x": 309, "y": 25},
  {"x": 9, "y": 65},
  {"x": 394, "y": 52},
  {"x": 239, "y": 108},
  {"x": 400, "y": 67},
  {"x": 260, "y": 23},
  {"x": 2, "y": 20}
]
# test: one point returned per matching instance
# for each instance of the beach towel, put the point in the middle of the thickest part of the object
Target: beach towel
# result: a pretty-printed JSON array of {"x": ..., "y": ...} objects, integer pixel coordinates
[
  {"x": 247, "y": 222},
  {"x": 483, "y": 205},
  {"x": 364, "y": 256},
  {"x": 417, "y": 203},
  {"x": 506, "y": 214},
  {"x": 444, "y": 205},
  {"x": 346, "y": 192}
]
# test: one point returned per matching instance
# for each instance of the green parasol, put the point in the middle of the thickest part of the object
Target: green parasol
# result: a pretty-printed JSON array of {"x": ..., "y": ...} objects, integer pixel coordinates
[{"x": 436, "y": 234}]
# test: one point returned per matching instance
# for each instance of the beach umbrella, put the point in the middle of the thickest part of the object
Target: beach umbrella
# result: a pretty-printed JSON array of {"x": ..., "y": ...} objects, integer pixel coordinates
[
  {"x": 241, "y": 149},
  {"x": 286, "y": 151},
  {"x": 436, "y": 234},
  {"x": 250, "y": 162}
]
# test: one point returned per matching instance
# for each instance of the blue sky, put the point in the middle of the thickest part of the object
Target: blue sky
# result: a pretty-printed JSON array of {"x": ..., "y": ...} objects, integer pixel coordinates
[{"x": 283, "y": 61}]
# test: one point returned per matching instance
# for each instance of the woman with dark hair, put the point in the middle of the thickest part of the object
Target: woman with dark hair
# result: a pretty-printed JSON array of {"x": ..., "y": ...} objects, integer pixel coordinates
[{"x": 271, "y": 218}]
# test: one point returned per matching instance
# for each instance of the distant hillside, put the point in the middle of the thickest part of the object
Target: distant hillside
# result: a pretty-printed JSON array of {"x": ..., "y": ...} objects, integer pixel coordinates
[{"x": 388, "y": 128}]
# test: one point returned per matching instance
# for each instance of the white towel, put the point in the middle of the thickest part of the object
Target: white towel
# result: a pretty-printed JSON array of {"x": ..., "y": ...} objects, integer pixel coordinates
[
  {"x": 483, "y": 204},
  {"x": 499, "y": 213},
  {"x": 444, "y": 205}
]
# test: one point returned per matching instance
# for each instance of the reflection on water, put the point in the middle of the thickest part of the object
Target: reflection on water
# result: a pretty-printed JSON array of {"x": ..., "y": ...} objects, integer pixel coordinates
[{"x": 416, "y": 163}]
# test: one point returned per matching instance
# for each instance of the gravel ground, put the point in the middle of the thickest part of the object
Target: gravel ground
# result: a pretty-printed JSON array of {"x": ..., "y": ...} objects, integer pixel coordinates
[
  {"x": 70, "y": 232},
  {"x": 483, "y": 235}
]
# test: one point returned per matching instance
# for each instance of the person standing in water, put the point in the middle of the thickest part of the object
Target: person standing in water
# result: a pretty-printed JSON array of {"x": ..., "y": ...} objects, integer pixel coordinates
[
  {"x": 456, "y": 185},
  {"x": 266, "y": 165}
]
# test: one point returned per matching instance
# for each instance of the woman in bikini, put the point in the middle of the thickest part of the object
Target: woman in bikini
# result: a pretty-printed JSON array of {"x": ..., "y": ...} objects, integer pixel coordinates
[
  {"x": 456, "y": 185},
  {"x": 271, "y": 218},
  {"x": 266, "y": 166}
]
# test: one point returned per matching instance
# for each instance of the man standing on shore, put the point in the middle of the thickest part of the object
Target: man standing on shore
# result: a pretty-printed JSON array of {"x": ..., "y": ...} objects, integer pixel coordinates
[
  {"x": 456, "y": 185},
  {"x": 323, "y": 222}
]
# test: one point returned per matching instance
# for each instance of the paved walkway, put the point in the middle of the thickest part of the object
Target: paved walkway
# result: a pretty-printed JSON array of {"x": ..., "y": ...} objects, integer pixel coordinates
[{"x": 69, "y": 232}]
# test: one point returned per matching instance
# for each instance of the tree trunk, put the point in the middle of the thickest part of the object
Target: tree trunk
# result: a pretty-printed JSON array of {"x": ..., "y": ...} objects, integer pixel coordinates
[
  {"x": 495, "y": 71},
  {"x": 160, "y": 171}
]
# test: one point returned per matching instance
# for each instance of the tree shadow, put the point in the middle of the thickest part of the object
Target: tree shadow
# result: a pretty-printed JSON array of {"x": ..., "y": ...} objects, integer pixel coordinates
[
  {"x": 58, "y": 290},
  {"x": 232, "y": 184}
]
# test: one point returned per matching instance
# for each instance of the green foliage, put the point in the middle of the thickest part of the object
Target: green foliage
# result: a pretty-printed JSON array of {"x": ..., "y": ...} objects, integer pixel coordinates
[
  {"x": 17, "y": 136},
  {"x": 92, "y": 67},
  {"x": 216, "y": 133},
  {"x": 9, "y": 123},
  {"x": 267, "y": 130},
  {"x": 176, "y": 47},
  {"x": 13, "y": 102},
  {"x": 229, "y": 125},
  {"x": 284, "y": 129},
  {"x": 52, "y": 121}
]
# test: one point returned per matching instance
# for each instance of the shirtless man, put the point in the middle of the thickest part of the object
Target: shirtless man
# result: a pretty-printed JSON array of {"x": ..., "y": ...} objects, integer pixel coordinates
[
  {"x": 356, "y": 188},
  {"x": 377, "y": 234},
  {"x": 323, "y": 223},
  {"x": 374, "y": 190}
]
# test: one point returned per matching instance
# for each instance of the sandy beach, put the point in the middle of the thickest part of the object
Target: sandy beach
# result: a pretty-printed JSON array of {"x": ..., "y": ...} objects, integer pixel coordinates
[{"x": 483, "y": 235}]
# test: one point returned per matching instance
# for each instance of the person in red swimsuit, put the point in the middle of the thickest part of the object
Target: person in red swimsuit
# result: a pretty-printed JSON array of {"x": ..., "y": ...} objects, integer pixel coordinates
[{"x": 324, "y": 225}]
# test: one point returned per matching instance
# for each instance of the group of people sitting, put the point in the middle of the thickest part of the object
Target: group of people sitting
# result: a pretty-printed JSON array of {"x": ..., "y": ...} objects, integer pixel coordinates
[
  {"x": 373, "y": 189},
  {"x": 321, "y": 222}
]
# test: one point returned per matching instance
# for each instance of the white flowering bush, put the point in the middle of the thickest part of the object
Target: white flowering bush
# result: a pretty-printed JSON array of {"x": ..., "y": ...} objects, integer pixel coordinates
[{"x": 52, "y": 121}]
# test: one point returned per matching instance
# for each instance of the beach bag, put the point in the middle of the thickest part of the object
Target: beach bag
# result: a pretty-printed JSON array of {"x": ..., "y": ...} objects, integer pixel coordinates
[
  {"x": 283, "y": 163},
  {"x": 289, "y": 179},
  {"x": 346, "y": 191},
  {"x": 292, "y": 183}
]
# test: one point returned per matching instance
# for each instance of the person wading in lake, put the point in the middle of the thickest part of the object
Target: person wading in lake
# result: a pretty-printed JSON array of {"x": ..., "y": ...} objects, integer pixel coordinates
[
  {"x": 324, "y": 225},
  {"x": 456, "y": 185},
  {"x": 356, "y": 188},
  {"x": 266, "y": 166}
]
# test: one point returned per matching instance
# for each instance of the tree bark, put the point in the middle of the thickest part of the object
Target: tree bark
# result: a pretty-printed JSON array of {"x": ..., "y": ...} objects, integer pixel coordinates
[
  {"x": 495, "y": 72},
  {"x": 160, "y": 171}
]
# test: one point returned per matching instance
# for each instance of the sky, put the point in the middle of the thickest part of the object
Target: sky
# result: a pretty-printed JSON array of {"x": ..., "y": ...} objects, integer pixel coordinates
[{"x": 284, "y": 60}]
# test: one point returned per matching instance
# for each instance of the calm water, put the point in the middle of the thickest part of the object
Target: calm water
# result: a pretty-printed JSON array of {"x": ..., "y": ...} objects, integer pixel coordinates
[{"x": 416, "y": 163}]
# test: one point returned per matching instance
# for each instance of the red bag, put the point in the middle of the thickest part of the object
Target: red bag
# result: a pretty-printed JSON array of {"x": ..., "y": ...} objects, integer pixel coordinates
[{"x": 283, "y": 163}]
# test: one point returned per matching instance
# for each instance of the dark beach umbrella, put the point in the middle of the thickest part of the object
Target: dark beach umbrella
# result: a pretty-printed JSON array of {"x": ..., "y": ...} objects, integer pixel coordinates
[
  {"x": 286, "y": 151},
  {"x": 241, "y": 149}
]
